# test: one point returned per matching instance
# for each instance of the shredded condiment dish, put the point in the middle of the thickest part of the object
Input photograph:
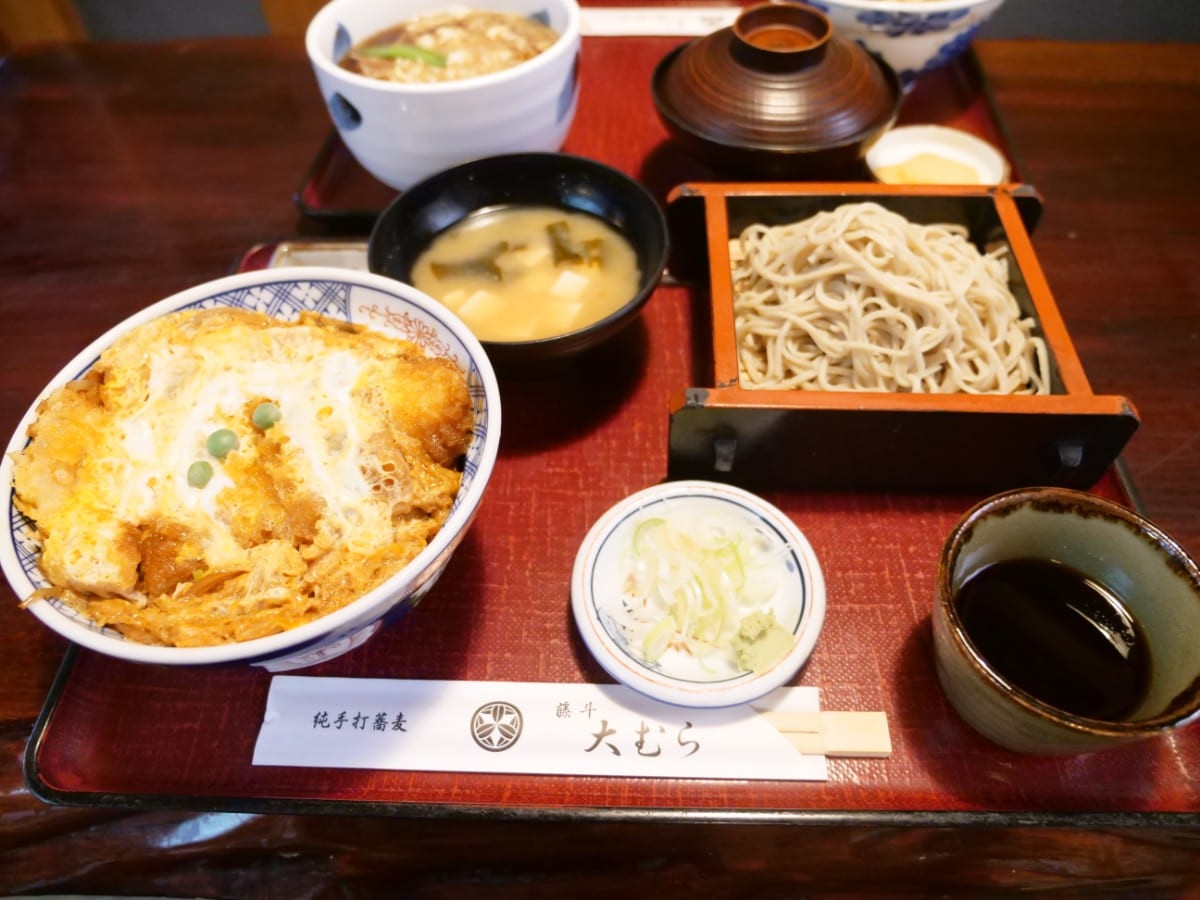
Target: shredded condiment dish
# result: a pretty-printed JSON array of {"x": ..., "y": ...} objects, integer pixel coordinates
[{"x": 698, "y": 594}]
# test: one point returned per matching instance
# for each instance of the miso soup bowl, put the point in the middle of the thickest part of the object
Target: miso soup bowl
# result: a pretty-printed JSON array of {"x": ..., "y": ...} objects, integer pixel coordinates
[
  {"x": 401, "y": 133},
  {"x": 413, "y": 220},
  {"x": 356, "y": 297},
  {"x": 1153, "y": 576}
]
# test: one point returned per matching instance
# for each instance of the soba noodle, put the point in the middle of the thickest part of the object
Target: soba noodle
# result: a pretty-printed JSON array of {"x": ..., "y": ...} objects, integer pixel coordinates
[{"x": 860, "y": 298}]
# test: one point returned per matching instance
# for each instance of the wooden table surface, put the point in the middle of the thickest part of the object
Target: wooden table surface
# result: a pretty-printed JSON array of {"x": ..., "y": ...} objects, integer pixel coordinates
[{"x": 128, "y": 172}]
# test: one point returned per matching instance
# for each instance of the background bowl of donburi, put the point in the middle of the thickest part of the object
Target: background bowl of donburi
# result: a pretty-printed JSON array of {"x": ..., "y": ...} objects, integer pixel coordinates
[{"x": 404, "y": 130}]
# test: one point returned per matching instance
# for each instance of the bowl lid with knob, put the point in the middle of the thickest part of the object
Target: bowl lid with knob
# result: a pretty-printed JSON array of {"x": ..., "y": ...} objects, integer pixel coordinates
[{"x": 778, "y": 79}]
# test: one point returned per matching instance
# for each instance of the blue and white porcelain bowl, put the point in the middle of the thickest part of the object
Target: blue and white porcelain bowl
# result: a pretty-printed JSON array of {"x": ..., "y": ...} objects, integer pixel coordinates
[
  {"x": 911, "y": 36},
  {"x": 359, "y": 297},
  {"x": 402, "y": 133},
  {"x": 769, "y": 552}
]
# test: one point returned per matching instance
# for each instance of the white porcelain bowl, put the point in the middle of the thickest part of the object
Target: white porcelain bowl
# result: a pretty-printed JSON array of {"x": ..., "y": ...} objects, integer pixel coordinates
[
  {"x": 360, "y": 297},
  {"x": 600, "y": 600},
  {"x": 401, "y": 133},
  {"x": 911, "y": 37}
]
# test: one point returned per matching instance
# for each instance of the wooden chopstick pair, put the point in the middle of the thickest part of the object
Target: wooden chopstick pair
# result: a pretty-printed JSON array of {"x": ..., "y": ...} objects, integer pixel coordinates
[{"x": 834, "y": 733}]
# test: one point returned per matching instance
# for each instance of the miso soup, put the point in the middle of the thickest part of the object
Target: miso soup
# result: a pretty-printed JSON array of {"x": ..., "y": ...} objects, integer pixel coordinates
[{"x": 524, "y": 273}]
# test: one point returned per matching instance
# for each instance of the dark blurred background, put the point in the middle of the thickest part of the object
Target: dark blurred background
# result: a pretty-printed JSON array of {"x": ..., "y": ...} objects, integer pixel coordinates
[{"x": 146, "y": 20}]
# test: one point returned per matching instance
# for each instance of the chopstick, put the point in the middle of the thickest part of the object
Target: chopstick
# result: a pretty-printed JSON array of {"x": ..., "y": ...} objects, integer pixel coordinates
[{"x": 834, "y": 733}]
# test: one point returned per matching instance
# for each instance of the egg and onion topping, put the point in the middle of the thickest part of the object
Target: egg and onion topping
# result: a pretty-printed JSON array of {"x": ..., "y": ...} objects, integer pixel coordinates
[{"x": 220, "y": 475}]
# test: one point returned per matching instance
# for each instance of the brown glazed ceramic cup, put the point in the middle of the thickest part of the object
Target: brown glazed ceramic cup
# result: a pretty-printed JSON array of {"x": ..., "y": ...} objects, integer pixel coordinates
[{"x": 1157, "y": 582}]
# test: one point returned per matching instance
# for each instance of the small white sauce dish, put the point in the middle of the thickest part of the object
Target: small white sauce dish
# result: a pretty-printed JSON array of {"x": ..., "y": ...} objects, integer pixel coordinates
[
  {"x": 599, "y": 598},
  {"x": 956, "y": 147}
]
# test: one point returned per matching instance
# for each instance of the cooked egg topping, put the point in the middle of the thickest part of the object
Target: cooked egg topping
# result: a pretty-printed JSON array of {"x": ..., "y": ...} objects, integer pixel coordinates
[
  {"x": 449, "y": 45},
  {"x": 220, "y": 475}
]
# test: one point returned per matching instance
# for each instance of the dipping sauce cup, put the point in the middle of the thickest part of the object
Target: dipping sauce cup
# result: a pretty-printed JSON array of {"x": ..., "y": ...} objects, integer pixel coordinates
[{"x": 1065, "y": 623}]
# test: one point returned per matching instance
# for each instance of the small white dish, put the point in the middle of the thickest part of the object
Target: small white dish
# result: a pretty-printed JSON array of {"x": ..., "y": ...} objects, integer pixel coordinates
[
  {"x": 599, "y": 600},
  {"x": 956, "y": 148}
]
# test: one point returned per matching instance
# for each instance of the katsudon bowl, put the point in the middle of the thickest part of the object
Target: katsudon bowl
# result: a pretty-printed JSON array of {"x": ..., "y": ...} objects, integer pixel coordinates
[
  {"x": 376, "y": 303},
  {"x": 475, "y": 218}
]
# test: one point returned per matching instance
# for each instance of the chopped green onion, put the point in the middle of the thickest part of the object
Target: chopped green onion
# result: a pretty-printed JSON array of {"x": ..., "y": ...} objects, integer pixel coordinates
[
  {"x": 221, "y": 442},
  {"x": 265, "y": 415},
  {"x": 406, "y": 51},
  {"x": 690, "y": 581},
  {"x": 199, "y": 473},
  {"x": 643, "y": 534},
  {"x": 658, "y": 638},
  {"x": 483, "y": 266},
  {"x": 568, "y": 249}
]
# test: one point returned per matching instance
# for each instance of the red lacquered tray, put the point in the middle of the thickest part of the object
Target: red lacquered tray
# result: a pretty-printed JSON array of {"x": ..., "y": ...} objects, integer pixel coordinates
[
  {"x": 578, "y": 437},
  {"x": 120, "y": 734},
  {"x": 337, "y": 190}
]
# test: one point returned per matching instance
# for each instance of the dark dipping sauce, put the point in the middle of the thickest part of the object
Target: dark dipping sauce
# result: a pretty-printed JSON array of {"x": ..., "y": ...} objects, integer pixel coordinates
[{"x": 1057, "y": 635}]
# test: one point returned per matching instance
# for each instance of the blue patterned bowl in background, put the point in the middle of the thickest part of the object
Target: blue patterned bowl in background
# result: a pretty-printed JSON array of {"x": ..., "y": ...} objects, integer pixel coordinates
[{"x": 912, "y": 36}]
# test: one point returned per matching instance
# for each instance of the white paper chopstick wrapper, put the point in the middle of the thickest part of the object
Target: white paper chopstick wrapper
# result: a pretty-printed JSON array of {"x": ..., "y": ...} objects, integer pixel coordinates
[
  {"x": 654, "y": 21},
  {"x": 526, "y": 727}
]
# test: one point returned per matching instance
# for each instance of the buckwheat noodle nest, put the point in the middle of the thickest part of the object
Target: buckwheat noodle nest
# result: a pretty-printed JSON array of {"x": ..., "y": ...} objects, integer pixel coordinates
[{"x": 861, "y": 299}]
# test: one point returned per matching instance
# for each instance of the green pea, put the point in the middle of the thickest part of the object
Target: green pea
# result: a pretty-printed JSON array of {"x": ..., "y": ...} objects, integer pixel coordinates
[
  {"x": 266, "y": 415},
  {"x": 199, "y": 473},
  {"x": 221, "y": 442}
]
